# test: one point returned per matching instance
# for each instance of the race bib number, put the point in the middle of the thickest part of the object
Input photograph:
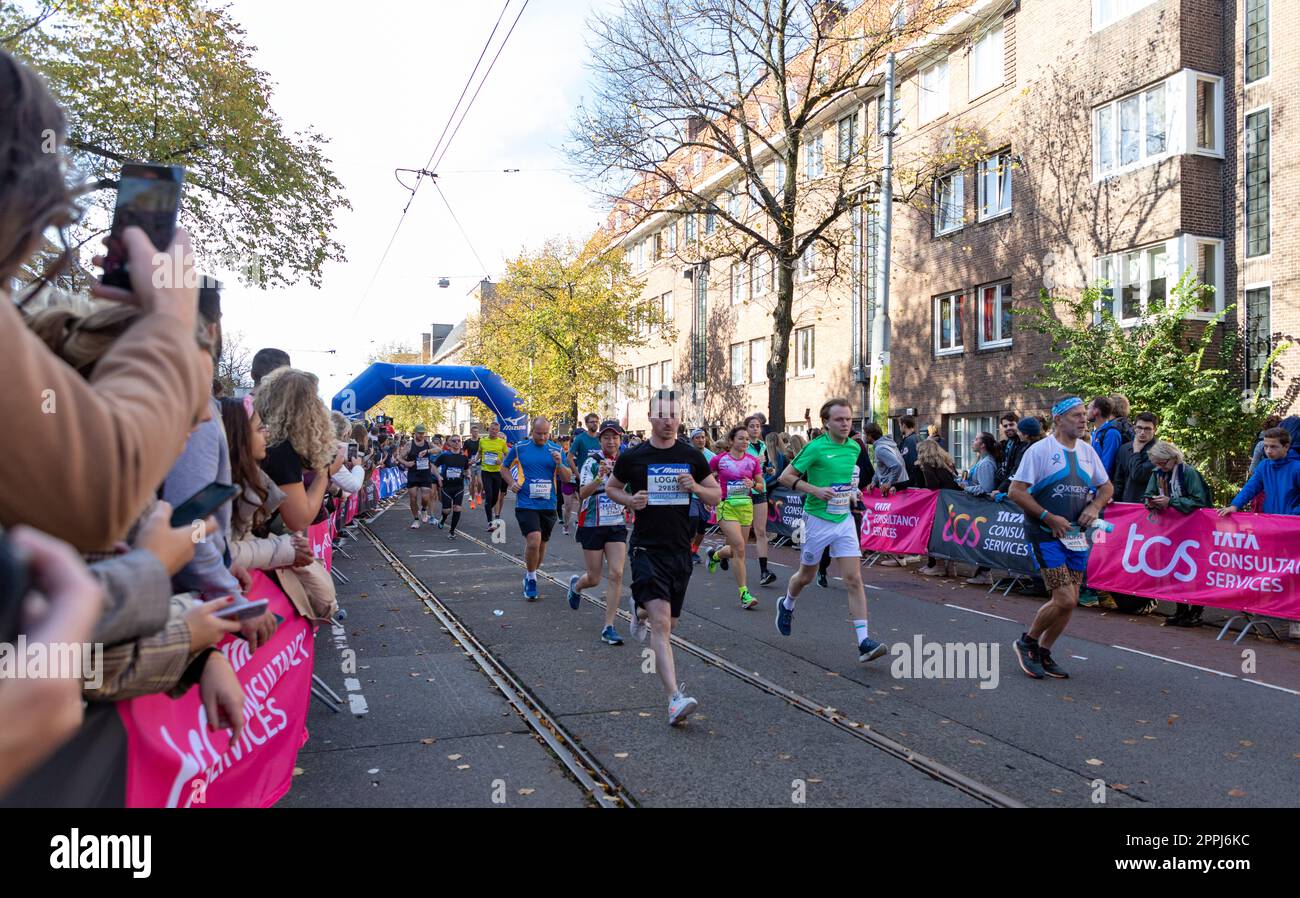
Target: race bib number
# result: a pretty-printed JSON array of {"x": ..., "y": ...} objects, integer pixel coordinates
[
  {"x": 539, "y": 489},
  {"x": 422, "y": 464},
  {"x": 608, "y": 512},
  {"x": 454, "y": 473},
  {"x": 736, "y": 489},
  {"x": 491, "y": 458},
  {"x": 1075, "y": 540},
  {"x": 662, "y": 486},
  {"x": 838, "y": 503}
]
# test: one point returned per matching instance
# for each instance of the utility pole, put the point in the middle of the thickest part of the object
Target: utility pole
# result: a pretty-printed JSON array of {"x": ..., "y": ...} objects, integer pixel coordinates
[{"x": 880, "y": 326}]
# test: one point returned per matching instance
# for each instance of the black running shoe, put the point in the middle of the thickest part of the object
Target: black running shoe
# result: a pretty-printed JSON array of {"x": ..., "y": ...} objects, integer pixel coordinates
[
  {"x": 822, "y": 581},
  {"x": 1050, "y": 667},
  {"x": 1027, "y": 656},
  {"x": 767, "y": 578}
]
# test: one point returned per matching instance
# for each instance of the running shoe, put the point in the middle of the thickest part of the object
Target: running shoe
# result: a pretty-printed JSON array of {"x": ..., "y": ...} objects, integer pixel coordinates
[
  {"x": 695, "y": 558},
  {"x": 767, "y": 578},
  {"x": 530, "y": 589},
  {"x": 1050, "y": 667},
  {"x": 870, "y": 650},
  {"x": 784, "y": 617},
  {"x": 575, "y": 598},
  {"x": 1088, "y": 599},
  {"x": 451, "y": 535},
  {"x": 679, "y": 707},
  {"x": 442, "y": 523},
  {"x": 713, "y": 562},
  {"x": 415, "y": 525},
  {"x": 1027, "y": 656},
  {"x": 424, "y": 517},
  {"x": 747, "y": 600},
  {"x": 638, "y": 629},
  {"x": 610, "y": 636},
  {"x": 822, "y": 581}
]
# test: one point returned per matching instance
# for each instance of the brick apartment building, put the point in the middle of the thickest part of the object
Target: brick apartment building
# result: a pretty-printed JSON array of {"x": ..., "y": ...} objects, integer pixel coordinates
[{"x": 1122, "y": 140}]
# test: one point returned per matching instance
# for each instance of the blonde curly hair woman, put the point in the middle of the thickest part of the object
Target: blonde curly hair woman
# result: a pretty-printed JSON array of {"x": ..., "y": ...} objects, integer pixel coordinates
[{"x": 300, "y": 443}]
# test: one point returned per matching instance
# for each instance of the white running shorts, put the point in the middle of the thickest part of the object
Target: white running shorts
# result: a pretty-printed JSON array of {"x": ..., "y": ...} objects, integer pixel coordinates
[{"x": 818, "y": 534}]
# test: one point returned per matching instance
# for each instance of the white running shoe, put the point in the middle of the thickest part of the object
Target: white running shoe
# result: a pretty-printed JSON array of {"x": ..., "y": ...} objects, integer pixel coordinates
[
  {"x": 638, "y": 629},
  {"x": 415, "y": 525},
  {"x": 680, "y": 707}
]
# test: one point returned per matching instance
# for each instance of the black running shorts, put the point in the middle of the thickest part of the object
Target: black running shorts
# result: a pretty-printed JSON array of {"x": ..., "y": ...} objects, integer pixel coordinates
[
  {"x": 661, "y": 574},
  {"x": 532, "y": 520},
  {"x": 453, "y": 496},
  {"x": 593, "y": 539}
]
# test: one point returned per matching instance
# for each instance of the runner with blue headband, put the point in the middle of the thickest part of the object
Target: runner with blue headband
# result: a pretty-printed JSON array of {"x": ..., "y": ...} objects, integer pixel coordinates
[{"x": 1062, "y": 487}]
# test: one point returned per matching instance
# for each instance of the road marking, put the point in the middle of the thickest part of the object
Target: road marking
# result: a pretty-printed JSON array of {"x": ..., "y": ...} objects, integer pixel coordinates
[
  {"x": 1270, "y": 686},
  {"x": 443, "y": 553},
  {"x": 985, "y": 613},
  {"x": 356, "y": 701},
  {"x": 1175, "y": 661}
]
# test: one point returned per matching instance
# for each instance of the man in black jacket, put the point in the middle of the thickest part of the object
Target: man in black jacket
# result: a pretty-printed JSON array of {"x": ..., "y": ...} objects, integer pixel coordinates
[
  {"x": 1012, "y": 448},
  {"x": 907, "y": 448},
  {"x": 1133, "y": 468}
]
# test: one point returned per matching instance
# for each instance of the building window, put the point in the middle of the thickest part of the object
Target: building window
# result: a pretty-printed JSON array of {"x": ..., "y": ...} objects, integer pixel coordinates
[
  {"x": 1206, "y": 256},
  {"x": 1181, "y": 114},
  {"x": 697, "y": 163},
  {"x": 882, "y": 126},
  {"x": 710, "y": 222},
  {"x": 961, "y": 433},
  {"x": 803, "y": 342},
  {"x": 778, "y": 178},
  {"x": 1104, "y": 12},
  {"x": 1257, "y": 183},
  {"x": 947, "y": 323},
  {"x": 987, "y": 62},
  {"x": 1207, "y": 121},
  {"x": 949, "y": 202},
  {"x": 670, "y": 235},
  {"x": 1256, "y": 40},
  {"x": 758, "y": 361},
  {"x": 846, "y": 137},
  {"x": 666, "y": 307},
  {"x": 808, "y": 262},
  {"x": 666, "y": 372},
  {"x": 1137, "y": 282},
  {"x": 1259, "y": 338},
  {"x": 995, "y": 185},
  {"x": 735, "y": 203},
  {"x": 758, "y": 275},
  {"x": 934, "y": 91},
  {"x": 814, "y": 157},
  {"x": 995, "y": 316},
  {"x": 737, "y": 364},
  {"x": 737, "y": 283},
  {"x": 688, "y": 227}
]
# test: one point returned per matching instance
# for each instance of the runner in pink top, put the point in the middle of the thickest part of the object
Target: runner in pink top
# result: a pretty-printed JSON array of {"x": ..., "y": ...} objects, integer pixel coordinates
[{"x": 739, "y": 473}]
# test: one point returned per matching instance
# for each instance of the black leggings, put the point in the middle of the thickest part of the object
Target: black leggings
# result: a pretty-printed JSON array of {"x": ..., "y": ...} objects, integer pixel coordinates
[{"x": 493, "y": 485}]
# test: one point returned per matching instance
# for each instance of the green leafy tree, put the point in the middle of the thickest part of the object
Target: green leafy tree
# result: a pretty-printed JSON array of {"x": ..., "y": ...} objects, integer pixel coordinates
[
  {"x": 1188, "y": 375},
  {"x": 557, "y": 313},
  {"x": 173, "y": 82}
]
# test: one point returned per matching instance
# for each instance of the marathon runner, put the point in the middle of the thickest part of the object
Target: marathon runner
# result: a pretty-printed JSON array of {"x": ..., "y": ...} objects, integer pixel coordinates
[
  {"x": 586, "y": 442},
  {"x": 417, "y": 459},
  {"x": 757, "y": 448},
  {"x": 700, "y": 512},
  {"x": 475, "y": 467},
  {"x": 450, "y": 467},
  {"x": 827, "y": 471},
  {"x": 492, "y": 449},
  {"x": 566, "y": 499},
  {"x": 1062, "y": 487},
  {"x": 656, "y": 479},
  {"x": 539, "y": 462},
  {"x": 602, "y": 530},
  {"x": 737, "y": 472}
]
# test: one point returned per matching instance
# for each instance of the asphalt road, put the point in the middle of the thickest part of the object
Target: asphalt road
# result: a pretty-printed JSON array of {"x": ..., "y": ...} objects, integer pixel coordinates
[{"x": 1136, "y": 729}]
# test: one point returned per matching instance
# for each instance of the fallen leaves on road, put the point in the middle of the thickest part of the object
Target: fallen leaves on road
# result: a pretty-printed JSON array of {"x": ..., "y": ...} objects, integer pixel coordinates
[
  {"x": 527, "y": 791},
  {"x": 1246, "y": 743},
  {"x": 427, "y": 741},
  {"x": 298, "y": 771},
  {"x": 1130, "y": 741},
  {"x": 454, "y": 757},
  {"x": 1095, "y": 762},
  {"x": 462, "y": 767},
  {"x": 977, "y": 742},
  {"x": 1172, "y": 718},
  {"x": 1236, "y": 793},
  {"x": 620, "y": 754},
  {"x": 1119, "y": 787}
]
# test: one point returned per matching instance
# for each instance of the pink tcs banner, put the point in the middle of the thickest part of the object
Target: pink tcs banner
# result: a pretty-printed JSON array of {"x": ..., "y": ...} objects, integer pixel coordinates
[
  {"x": 174, "y": 760},
  {"x": 1246, "y": 562},
  {"x": 899, "y": 524},
  {"x": 322, "y": 541}
]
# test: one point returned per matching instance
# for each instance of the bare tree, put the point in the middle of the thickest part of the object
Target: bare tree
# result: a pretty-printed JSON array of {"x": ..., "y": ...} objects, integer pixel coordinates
[
  {"x": 235, "y": 364},
  {"x": 713, "y": 108}
]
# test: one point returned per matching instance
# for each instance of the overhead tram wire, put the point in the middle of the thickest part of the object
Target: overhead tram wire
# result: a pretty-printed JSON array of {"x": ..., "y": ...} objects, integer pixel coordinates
[
  {"x": 452, "y": 212},
  {"x": 470, "y": 80}
]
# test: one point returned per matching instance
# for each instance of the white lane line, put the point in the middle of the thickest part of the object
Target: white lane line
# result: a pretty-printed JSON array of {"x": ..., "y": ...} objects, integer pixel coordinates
[
  {"x": 1175, "y": 661},
  {"x": 1270, "y": 686},
  {"x": 985, "y": 613}
]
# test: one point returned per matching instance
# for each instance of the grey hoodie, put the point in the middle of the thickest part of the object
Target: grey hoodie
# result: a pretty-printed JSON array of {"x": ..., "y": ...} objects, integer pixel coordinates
[{"x": 890, "y": 470}]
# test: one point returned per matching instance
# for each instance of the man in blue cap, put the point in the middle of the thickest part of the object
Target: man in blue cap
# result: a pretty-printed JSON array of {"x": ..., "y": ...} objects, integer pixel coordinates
[{"x": 1062, "y": 486}]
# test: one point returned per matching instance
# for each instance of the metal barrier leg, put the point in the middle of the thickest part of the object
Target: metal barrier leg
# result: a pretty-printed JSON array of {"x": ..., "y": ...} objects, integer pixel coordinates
[
  {"x": 326, "y": 688},
  {"x": 326, "y": 700},
  {"x": 1227, "y": 625}
]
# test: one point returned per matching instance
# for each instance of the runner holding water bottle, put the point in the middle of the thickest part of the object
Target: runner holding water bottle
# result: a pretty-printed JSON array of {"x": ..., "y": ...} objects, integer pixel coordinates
[
  {"x": 539, "y": 462},
  {"x": 738, "y": 471},
  {"x": 1062, "y": 487},
  {"x": 827, "y": 472},
  {"x": 602, "y": 529}
]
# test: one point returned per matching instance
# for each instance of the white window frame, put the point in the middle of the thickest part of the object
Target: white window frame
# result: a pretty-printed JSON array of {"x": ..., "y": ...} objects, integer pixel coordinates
[
  {"x": 881, "y": 124},
  {"x": 738, "y": 283},
  {"x": 955, "y": 324},
  {"x": 666, "y": 372},
  {"x": 1244, "y": 61},
  {"x": 986, "y": 171},
  {"x": 935, "y": 95},
  {"x": 1131, "y": 6},
  {"x": 1181, "y": 131},
  {"x": 1245, "y": 319},
  {"x": 1181, "y": 253},
  {"x": 843, "y": 153},
  {"x": 666, "y": 302},
  {"x": 758, "y": 363},
  {"x": 815, "y": 156},
  {"x": 808, "y": 262},
  {"x": 671, "y": 241},
  {"x": 690, "y": 228},
  {"x": 1245, "y": 208},
  {"x": 962, "y": 432},
  {"x": 697, "y": 163},
  {"x": 737, "y": 356},
  {"x": 805, "y": 345},
  {"x": 760, "y": 272},
  {"x": 1003, "y": 298},
  {"x": 956, "y": 207},
  {"x": 977, "y": 87}
]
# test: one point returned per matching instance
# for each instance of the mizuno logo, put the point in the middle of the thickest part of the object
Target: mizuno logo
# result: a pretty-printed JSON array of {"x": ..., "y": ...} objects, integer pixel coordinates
[
  {"x": 437, "y": 383},
  {"x": 407, "y": 381}
]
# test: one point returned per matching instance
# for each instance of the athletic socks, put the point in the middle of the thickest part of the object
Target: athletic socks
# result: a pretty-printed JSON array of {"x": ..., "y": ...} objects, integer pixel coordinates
[
  {"x": 762, "y": 564},
  {"x": 455, "y": 520},
  {"x": 530, "y": 576},
  {"x": 860, "y": 630},
  {"x": 787, "y": 603}
]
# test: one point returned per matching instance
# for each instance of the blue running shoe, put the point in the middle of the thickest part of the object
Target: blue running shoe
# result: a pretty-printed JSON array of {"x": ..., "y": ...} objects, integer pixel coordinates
[
  {"x": 783, "y": 617},
  {"x": 530, "y": 590},
  {"x": 610, "y": 636},
  {"x": 870, "y": 650},
  {"x": 575, "y": 598}
]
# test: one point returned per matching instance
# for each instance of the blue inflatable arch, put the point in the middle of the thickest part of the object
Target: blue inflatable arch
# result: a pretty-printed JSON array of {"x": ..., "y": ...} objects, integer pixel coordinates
[{"x": 383, "y": 379}]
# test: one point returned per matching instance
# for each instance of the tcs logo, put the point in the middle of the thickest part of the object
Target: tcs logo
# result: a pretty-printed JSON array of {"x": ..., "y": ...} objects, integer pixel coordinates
[
  {"x": 1138, "y": 563},
  {"x": 962, "y": 529}
]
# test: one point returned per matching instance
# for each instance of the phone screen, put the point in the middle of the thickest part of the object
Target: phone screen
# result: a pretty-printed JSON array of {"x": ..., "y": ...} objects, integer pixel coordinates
[
  {"x": 203, "y": 503},
  {"x": 148, "y": 197}
]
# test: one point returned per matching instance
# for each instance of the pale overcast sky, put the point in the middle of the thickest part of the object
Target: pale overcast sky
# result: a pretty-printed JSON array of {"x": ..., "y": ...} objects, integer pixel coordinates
[{"x": 380, "y": 79}]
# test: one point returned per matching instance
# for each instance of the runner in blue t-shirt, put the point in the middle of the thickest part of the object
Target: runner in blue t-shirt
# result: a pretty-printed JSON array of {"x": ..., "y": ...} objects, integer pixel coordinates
[{"x": 539, "y": 461}]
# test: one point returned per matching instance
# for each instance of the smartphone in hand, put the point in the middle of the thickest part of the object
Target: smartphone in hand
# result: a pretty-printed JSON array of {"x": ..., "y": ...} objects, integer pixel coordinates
[
  {"x": 245, "y": 610},
  {"x": 148, "y": 197},
  {"x": 203, "y": 503}
]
